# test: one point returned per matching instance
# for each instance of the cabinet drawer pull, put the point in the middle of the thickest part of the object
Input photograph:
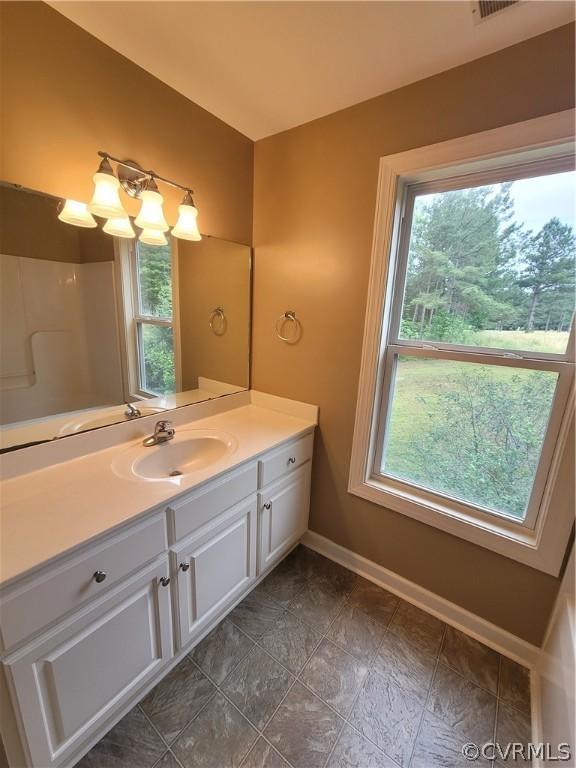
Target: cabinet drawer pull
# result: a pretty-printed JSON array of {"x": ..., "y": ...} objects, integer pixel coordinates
[
  {"x": 184, "y": 566},
  {"x": 292, "y": 460},
  {"x": 268, "y": 505},
  {"x": 165, "y": 580},
  {"x": 99, "y": 576}
]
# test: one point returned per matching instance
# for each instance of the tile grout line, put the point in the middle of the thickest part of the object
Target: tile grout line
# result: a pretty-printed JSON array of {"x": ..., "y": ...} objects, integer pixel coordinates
[
  {"x": 202, "y": 708},
  {"x": 370, "y": 663},
  {"x": 168, "y": 749},
  {"x": 153, "y": 727},
  {"x": 428, "y": 693},
  {"x": 345, "y": 601},
  {"x": 388, "y": 629},
  {"x": 236, "y": 665},
  {"x": 346, "y": 722},
  {"x": 219, "y": 690},
  {"x": 324, "y": 636},
  {"x": 208, "y": 700},
  {"x": 224, "y": 696},
  {"x": 468, "y": 679},
  {"x": 371, "y": 668},
  {"x": 495, "y": 728},
  {"x": 292, "y": 684},
  {"x": 507, "y": 702},
  {"x": 298, "y": 677},
  {"x": 176, "y": 759}
]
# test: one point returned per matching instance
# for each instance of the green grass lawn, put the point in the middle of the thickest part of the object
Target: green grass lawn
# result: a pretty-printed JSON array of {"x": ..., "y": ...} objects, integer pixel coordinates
[
  {"x": 535, "y": 341},
  {"x": 421, "y": 385}
]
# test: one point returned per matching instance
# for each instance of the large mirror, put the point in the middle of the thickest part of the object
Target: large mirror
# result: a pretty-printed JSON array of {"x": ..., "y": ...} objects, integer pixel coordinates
[{"x": 96, "y": 330}]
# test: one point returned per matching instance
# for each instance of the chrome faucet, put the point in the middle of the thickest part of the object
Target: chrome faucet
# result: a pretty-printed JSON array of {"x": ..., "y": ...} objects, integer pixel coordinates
[
  {"x": 131, "y": 412},
  {"x": 163, "y": 431}
]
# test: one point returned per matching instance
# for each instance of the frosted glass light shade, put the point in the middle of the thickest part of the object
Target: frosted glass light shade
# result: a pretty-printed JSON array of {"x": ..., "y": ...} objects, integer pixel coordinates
[
  {"x": 153, "y": 237},
  {"x": 77, "y": 213},
  {"x": 187, "y": 226},
  {"x": 119, "y": 228},
  {"x": 151, "y": 215},
  {"x": 106, "y": 200}
]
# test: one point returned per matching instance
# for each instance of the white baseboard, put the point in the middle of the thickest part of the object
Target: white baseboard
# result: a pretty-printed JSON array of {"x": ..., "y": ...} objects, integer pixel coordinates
[{"x": 491, "y": 635}]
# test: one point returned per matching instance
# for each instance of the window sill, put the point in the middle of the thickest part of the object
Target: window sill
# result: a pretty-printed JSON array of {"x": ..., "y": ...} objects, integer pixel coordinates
[{"x": 505, "y": 538}]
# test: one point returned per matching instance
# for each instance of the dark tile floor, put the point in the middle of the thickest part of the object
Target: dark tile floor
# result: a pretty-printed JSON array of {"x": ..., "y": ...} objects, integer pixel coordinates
[{"x": 319, "y": 667}]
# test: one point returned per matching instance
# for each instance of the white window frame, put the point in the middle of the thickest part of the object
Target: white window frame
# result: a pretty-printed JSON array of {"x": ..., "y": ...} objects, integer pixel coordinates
[
  {"x": 540, "y": 541},
  {"x": 128, "y": 299}
]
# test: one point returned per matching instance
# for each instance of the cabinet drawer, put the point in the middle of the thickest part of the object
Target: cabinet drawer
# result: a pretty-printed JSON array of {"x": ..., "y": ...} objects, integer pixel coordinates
[
  {"x": 69, "y": 681},
  {"x": 198, "y": 508},
  {"x": 65, "y": 586},
  {"x": 285, "y": 459}
]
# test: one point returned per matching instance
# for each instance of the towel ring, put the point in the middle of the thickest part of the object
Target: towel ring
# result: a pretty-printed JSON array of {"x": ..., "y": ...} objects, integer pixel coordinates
[
  {"x": 289, "y": 317},
  {"x": 217, "y": 314}
]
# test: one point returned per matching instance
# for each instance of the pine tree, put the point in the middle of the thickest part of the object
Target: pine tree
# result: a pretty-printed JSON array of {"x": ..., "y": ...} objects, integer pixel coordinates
[{"x": 549, "y": 266}]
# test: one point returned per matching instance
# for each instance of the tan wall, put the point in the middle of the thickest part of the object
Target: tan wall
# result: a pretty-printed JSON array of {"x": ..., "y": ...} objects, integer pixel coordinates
[
  {"x": 29, "y": 227},
  {"x": 315, "y": 192},
  {"x": 66, "y": 95},
  {"x": 214, "y": 273}
]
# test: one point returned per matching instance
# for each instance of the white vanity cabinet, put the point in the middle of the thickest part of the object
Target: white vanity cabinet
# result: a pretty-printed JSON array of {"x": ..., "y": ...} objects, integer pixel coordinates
[
  {"x": 214, "y": 567},
  {"x": 69, "y": 680},
  {"x": 283, "y": 516},
  {"x": 85, "y": 637},
  {"x": 283, "y": 499}
]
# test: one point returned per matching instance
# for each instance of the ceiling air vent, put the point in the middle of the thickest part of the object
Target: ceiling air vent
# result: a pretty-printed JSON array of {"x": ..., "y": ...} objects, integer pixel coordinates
[{"x": 483, "y": 9}]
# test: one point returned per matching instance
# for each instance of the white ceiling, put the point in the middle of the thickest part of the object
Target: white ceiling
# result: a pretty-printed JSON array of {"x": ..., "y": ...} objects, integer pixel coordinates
[{"x": 264, "y": 67}]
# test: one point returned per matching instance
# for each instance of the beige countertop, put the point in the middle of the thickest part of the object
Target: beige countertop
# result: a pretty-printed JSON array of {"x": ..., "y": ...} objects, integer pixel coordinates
[{"x": 56, "y": 509}]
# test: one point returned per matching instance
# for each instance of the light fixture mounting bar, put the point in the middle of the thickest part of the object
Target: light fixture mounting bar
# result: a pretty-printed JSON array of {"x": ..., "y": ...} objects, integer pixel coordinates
[{"x": 151, "y": 174}]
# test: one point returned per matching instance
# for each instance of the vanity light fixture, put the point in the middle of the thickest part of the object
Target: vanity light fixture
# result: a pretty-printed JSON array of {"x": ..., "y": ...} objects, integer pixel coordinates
[
  {"x": 138, "y": 183},
  {"x": 105, "y": 200},
  {"x": 153, "y": 237},
  {"x": 151, "y": 215},
  {"x": 74, "y": 212},
  {"x": 119, "y": 228},
  {"x": 187, "y": 226}
]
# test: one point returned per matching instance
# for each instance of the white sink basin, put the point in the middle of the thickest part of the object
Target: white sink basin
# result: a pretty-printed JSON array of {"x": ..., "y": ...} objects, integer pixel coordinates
[{"x": 189, "y": 451}]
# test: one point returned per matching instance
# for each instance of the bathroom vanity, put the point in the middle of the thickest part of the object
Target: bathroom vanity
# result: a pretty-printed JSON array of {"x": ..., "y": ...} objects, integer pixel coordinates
[{"x": 116, "y": 563}]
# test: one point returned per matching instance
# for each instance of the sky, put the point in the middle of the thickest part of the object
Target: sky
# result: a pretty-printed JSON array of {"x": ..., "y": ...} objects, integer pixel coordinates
[{"x": 538, "y": 200}]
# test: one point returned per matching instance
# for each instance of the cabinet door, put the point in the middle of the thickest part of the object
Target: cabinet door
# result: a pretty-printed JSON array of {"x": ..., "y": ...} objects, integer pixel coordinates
[
  {"x": 69, "y": 681},
  {"x": 283, "y": 510},
  {"x": 214, "y": 567}
]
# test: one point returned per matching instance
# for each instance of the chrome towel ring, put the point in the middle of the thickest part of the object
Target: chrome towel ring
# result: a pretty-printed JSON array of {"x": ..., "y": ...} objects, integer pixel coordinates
[
  {"x": 218, "y": 322},
  {"x": 294, "y": 324}
]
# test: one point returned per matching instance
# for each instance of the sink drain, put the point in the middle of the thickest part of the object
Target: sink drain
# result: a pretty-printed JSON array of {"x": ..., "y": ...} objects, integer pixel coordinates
[{"x": 175, "y": 473}]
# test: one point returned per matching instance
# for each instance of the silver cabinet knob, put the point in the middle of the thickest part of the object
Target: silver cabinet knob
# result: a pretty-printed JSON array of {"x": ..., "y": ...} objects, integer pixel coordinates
[
  {"x": 99, "y": 576},
  {"x": 165, "y": 580},
  {"x": 268, "y": 505},
  {"x": 184, "y": 566},
  {"x": 292, "y": 460}
]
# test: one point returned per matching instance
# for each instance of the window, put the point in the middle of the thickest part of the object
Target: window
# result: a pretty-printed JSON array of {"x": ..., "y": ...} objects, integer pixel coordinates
[
  {"x": 474, "y": 362},
  {"x": 483, "y": 300},
  {"x": 153, "y": 318},
  {"x": 149, "y": 295}
]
